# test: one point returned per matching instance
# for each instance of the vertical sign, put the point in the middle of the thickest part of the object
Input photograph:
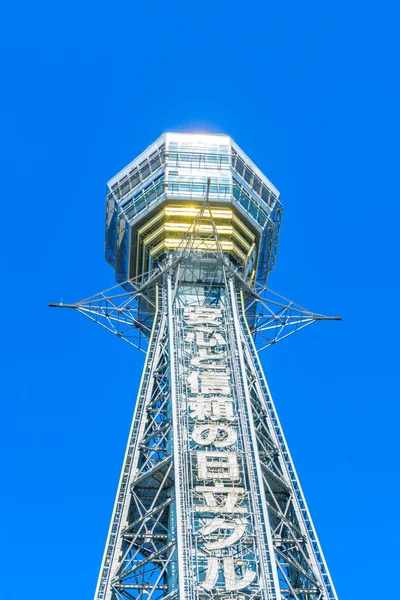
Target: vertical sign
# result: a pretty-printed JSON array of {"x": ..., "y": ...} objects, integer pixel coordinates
[{"x": 225, "y": 550}]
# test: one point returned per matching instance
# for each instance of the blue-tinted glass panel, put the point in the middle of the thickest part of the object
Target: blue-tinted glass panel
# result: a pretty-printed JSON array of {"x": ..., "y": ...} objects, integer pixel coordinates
[
  {"x": 155, "y": 163},
  {"x": 239, "y": 166},
  {"x": 248, "y": 175},
  {"x": 265, "y": 193},
  {"x": 125, "y": 188},
  {"x": 145, "y": 171},
  {"x": 256, "y": 185}
]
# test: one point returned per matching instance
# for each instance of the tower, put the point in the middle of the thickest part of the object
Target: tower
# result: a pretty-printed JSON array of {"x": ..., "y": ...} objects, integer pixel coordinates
[{"x": 208, "y": 506}]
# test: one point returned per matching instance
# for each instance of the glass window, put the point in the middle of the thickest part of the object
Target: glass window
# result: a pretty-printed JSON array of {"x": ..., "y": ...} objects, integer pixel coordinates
[
  {"x": 152, "y": 195},
  {"x": 159, "y": 188},
  {"x": 140, "y": 204},
  {"x": 155, "y": 163},
  {"x": 248, "y": 175},
  {"x": 265, "y": 194},
  {"x": 256, "y": 185},
  {"x": 233, "y": 158},
  {"x": 124, "y": 189},
  {"x": 173, "y": 158},
  {"x": 244, "y": 200},
  {"x": 159, "y": 178},
  {"x": 239, "y": 166},
  {"x": 145, "y": 171},
  {"x": 130, "y": 211},
  {"x": 185, "y": 157},
  {"x": 261, "y": 218},
  {"x": 253, "y": 210},
  {"x": 135, "y": 178}
]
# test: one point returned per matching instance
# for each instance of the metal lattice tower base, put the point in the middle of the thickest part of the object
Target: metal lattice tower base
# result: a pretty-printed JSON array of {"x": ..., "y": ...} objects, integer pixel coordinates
[{"x": 209, "y": 506}]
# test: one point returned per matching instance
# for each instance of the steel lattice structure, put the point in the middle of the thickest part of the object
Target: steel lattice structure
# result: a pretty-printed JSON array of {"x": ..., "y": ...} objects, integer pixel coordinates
[{"x": 208, "y": 506}]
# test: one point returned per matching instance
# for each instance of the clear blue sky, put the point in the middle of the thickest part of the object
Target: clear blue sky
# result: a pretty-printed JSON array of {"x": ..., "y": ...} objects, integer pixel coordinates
[{"x": 310, "y": 90}]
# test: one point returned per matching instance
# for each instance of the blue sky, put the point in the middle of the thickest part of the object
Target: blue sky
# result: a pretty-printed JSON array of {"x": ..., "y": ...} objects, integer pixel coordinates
[{"x": 311, "y": 92}]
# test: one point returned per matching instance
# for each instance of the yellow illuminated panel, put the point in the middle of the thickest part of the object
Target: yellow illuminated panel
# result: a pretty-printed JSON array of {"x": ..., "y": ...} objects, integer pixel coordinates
[
  {"x": 206, "y": 245},
  {"x": 171, "y": 221},
  {"x": 185, "y": 211},
  {"x": 182, "y": 228},
  {"x": 150, "y": 223},
  {"x": 243, "y": 227}
]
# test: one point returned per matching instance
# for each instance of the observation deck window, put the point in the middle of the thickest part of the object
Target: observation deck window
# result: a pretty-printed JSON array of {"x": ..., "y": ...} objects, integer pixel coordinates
[
  {"x": 252, "y": 180},
  {"x": 154, "y": 162},
  {"x": 198, "y": 156},
  {"x": 138, "y": 174},
  {"x": 257, "y": 185},
  {"x": 257, "y": 212},
  {"x": 144, "y": 170},
  {"x": 135, "y": 178},
  {"x": 145, "y": 197},
  {"x": 248, "y": 175},
  {"x": 239, "y": 168}
]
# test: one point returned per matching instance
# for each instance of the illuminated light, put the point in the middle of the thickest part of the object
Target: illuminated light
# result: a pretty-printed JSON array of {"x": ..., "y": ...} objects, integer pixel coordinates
[
  {"x": 223, "y": 229},
  {"x": 243, "y": 227},
  {"x": 150, "y": 238},
  {"x": 154, "y": 251},
  {"x": 206, "y": 245},
  {"x": 184, "y": 228},
  {"x": 218, "y": 213},
  {"x": 150, "y": 223},
  {"x": 174, "y": 243},
  {"x": 223, "y": 213},
  {"x": 240, "y": 242},
  {"x": 240, "y": 239}
]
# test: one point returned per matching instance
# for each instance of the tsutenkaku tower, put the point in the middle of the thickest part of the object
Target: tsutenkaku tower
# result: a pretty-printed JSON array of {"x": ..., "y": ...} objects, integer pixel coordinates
[{"x": 208, "y": 506}]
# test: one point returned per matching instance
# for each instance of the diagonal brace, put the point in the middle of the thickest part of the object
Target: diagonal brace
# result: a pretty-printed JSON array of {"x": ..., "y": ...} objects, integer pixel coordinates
[{"x": 272, "y": 317}]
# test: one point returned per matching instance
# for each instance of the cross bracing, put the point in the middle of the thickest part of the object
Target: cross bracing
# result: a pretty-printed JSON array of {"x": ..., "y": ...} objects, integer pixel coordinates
[{"x": 271, "y": 317}]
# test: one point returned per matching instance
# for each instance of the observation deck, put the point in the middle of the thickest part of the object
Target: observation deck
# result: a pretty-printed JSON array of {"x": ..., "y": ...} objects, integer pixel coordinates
[{"x": 152, "y": 203}]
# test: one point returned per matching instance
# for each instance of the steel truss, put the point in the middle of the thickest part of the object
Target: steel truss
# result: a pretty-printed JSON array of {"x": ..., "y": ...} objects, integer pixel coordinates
[
  {"x": 271, "y": 317},
  {"x": 181, "y": 528}
]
